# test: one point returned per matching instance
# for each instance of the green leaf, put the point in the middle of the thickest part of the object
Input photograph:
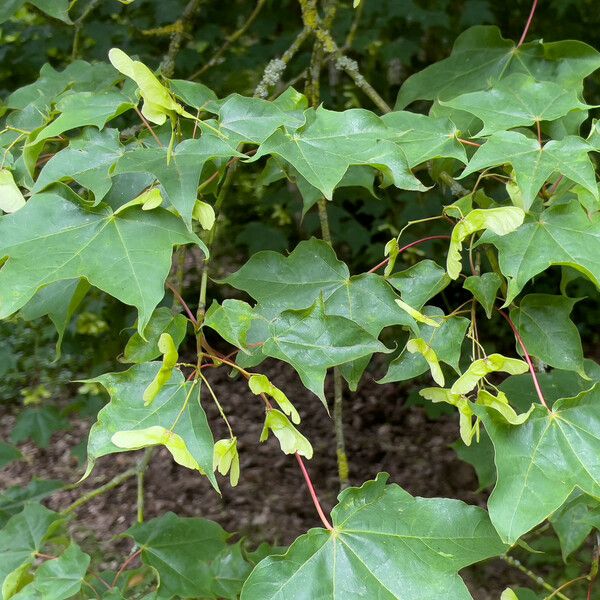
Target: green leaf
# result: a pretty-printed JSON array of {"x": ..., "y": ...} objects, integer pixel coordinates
[
  {"x": 128, "y": 254},
  {"x": 87, "y": 160},
  {"x": 295, "y": 281},
  {"x": 229, "y": 570},
  {"x": 312, "y": 271},
  {"x": 8, "y": 454},
  {"x": 445, "y": 341},
  {"x": 59, "y": 578},
  {"x": 290, "y": 439},
  {"x": 85, "y": 108},
  {"x": 254, "y": 120},
  {"x": 518, "y": 100},
  {"x": 534, "y": 164},
  {"x": 232, "y": 320},
  {"x": 14, "y": 499},
  {"x": 331, "y": 141},
  {"x": 59, "y": 9},
  {"x": 20, "y": 539},
  {"x": 312, "y": 342},
  {"x": 548, "y": 333},
  {"x": 501, "y": 221},
  {"x": 420, "y": 283},
  {"x": 541, "y": 462},
  {"x": 484, "y": 289},
  {"x": 481, "y": 57},
  {"x": 575, "y": 520},
  {"x": 374, "y": 553},
  {"x": 175, "y": 409},
  {"x": 422, "y": 137},
  {"x": 139, "y": 350},
  {"x": 195, "y": 94},
  {"x": 38, "y": 424},
  {"x": 478, "y": 369},
  {"x": 481, "y": 456},
  {"x": 58, "y": 301},
  {"x": 561, "y": 235},
  {"x": 180, "y": 176},
  {"x": 11, "y": 198},
  {"x": 180, "y": 550}
]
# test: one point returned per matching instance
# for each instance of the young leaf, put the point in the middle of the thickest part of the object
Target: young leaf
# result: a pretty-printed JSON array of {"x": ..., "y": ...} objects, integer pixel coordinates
[
  {"x": 540, "y": 462},
  {"x": 501, "y": 221},
  {"x": 467, "y": 428},
  {"x": 175, "y": 409},
  {"x": 20, "y": 539},
  {"x": 445, "y": 341},
  {"x": 416, "y": 315},
  {"x": 261, "y": 384},
  {"x": 501, "y": 405},
  {"x": 533, "y": 163},
  {"x": 204, "y": 213},
  {"x": 374, "y": 554},
  {"x": 548, "y": 333},
  {"x": 518, "y": 100},
  {"x": 51, "y": 239},
  {"x": 139, "y": 350},
  {"x": 290, "y": 439},
  {"x": 226, "y": 459},
  {"x": 59, "y": 578},
  {"x": 11, "y": 198},
  {"x": 419, "y": 345},
  {"x": 484, "y": 289},
  {"x": 478, "y": 369},
  {"x": 561, "y": 235},
  {"x": 167, "y": 347},
  {"x": 158, "y": 101},
  {"x": 14, "y": 499},
  {"x": 179, "y": 550}
]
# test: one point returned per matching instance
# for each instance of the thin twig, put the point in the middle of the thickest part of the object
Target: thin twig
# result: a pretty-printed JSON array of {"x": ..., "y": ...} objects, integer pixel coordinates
[
  {"x": 183, "y": 304},
  {"x": 536, "y": 383},
  {"x": 513, "y": 562},
  {"x": 313, "y": 494},
  {"x": 384, "y": 262},
  {"x": 129, "y": 560},
  {"x": 528, "y": 24},
  {"x": 148, "y": 126}
]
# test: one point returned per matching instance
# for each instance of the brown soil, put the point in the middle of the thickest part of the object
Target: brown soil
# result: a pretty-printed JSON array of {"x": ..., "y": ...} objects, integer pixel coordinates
[{"x": 271, "y": 501}]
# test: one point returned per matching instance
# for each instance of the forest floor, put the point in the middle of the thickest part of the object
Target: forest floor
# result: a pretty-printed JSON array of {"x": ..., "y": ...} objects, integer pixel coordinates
[{"x": 271, "y": 502}]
